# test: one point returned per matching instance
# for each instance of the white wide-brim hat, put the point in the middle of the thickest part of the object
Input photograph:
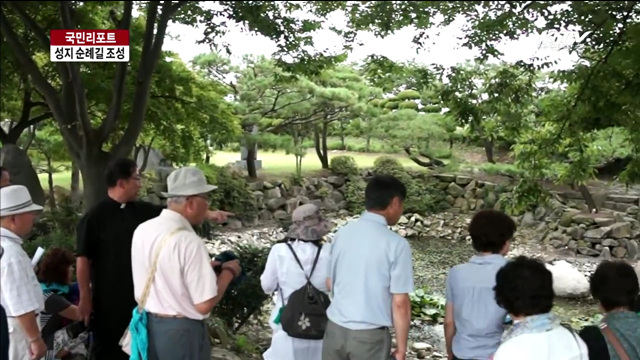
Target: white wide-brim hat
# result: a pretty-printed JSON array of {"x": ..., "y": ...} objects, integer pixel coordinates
[
  {"x": 187, "y": 181},
  {"x": 15, "y": 199}
]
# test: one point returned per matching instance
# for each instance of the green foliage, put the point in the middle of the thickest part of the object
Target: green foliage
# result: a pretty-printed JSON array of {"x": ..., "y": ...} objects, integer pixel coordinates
[
  {"x": 422, "y": 197},
  {"x": 426, "y": 306},
  {"x": 247, "y": 298},
  {"x": 527, "y": 195},
  {"x": 344, "y": 165},
  {"x": 387, "y": 165},
  {"x": 55, "y": 228},
  {"x": 232, "y": 193},
  {"x": 354, "y": 194}
]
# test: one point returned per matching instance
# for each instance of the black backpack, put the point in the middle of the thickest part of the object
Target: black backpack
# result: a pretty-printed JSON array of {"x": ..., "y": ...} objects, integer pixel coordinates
[{"x": 305, "y": 314}]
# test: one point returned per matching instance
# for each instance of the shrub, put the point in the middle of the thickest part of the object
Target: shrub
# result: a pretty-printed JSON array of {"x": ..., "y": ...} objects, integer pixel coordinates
[
  {"x": 344, "y": 165},
  {"x": 387, "y": 165},
  {"x": 422, "y": 197},
  {"x": 231, "y": 195},
  {"x": 354, "y": 194},
  {"x": 55, "y": 228},
  {"x": 427, "y": 306},
  {"x": 247, "y": 298}
]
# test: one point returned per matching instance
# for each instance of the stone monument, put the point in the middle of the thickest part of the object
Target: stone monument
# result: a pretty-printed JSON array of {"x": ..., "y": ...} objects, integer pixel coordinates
[{"x": 242, "y": 163}]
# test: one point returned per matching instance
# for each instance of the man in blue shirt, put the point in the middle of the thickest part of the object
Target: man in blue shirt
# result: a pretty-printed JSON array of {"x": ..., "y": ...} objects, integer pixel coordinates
[{"x": 370, "y": 277}]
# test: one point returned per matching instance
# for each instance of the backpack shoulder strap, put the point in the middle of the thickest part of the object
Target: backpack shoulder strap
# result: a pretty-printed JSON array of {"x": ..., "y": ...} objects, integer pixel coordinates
[
  {"x": 315, "y": 261},
  {"x": 613, "y": 340}
]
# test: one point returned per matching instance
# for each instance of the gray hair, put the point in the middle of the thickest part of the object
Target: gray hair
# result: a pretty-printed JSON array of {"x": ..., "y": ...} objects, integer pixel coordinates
[{"x": 176, "y": 200}]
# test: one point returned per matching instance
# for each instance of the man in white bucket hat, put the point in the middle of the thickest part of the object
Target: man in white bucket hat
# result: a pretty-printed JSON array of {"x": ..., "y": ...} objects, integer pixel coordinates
[
  {"x": 185, "y": 288},
  {"x": 20, "y": 293}
]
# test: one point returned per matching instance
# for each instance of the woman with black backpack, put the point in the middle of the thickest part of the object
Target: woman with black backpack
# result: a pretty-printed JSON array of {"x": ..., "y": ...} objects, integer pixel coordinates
[{"x": 297, "y": 269}]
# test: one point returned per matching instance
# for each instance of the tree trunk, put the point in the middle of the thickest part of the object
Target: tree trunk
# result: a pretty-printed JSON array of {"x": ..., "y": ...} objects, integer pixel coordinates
[
  {"x": 92, "y": 171},
  {"x": 251, "y": 161},
  {"x": 367, "y": 146},
  {"x": 588, "y": 199},
  {"x": 52, "y": 194},
  {"x": 320, "y": 144},
  {"x": 22, "y": 171},
  {"x": 488, "y": 149},
  {"x": 75, "y": 183},
  {"x": 342, "y": 136}
]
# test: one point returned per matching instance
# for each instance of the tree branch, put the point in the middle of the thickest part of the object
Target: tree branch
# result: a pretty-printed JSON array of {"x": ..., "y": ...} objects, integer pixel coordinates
[
  {"x": 76, "y": 81},
  {"x": 39, "y": 81},
  {"x": 118, "y": 87},
  {"x": 171, "y": 97},
  {"x": 151, "y": 50}
]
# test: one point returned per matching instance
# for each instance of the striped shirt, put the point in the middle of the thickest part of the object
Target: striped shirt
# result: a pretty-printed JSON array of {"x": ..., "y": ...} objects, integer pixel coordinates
[{"x": 20, "y": 292}]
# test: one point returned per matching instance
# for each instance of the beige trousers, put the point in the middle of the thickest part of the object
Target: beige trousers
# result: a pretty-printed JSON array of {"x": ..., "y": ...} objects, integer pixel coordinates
[{"x": 18, "y": 340}]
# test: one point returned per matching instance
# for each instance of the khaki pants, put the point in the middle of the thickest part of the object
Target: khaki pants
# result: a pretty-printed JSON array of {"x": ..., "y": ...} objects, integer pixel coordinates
[
  {"x": 18, "y": 340},
  {"x": 343, "y": 344}
]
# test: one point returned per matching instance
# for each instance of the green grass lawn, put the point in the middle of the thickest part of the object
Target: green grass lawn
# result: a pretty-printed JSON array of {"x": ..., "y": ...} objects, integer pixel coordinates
[{"x": 273, "y": 163}]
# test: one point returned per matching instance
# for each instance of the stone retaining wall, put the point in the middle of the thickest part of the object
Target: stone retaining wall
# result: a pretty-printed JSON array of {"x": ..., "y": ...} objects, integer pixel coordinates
[{"x": 565, "y": 224}]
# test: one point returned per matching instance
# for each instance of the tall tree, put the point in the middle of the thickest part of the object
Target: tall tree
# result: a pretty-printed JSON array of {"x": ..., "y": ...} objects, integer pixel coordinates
[{"x": 66, "y": 92}]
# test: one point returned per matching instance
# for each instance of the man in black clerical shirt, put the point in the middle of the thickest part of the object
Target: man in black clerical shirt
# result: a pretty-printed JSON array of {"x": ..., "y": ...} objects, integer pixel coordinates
[{"x": 103, "y": 262}]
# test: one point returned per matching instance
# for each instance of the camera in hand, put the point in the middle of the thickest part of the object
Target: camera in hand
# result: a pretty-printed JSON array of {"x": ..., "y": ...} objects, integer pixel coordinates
[
  {"x": 224, "y": 257},
  {"x": 75, "y": 329}
]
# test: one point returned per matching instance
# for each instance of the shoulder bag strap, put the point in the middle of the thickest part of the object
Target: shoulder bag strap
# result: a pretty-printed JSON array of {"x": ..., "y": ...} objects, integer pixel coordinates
[
  {"x": 613, "y": 340},
  {"x": 154, "y": 266}
]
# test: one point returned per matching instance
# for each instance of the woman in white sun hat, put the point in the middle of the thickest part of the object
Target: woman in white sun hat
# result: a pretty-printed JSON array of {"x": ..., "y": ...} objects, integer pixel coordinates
[
  {"x": 283, "y": 273},
  {"x": 20, "y": 293}
]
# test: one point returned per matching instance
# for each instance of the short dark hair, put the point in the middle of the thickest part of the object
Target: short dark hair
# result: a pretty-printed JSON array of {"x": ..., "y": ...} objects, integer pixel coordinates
[
  {"x": 54, "y": 266},
  {"x": 381, "y": 190},
  {"x": 615, "y": 284},
  {"x": 524, "y": 287},
  {"x": 490, "y": 230},
  {"x": 119, "y": 169}
]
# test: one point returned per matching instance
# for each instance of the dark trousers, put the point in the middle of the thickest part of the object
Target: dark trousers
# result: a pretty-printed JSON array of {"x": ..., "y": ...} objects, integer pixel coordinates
[
  {"x": 107, "y": 327},
  {"x": 177, "y": 338},
  {"x": 4, "y": 335},
  {"x": 340, "y": 343}
]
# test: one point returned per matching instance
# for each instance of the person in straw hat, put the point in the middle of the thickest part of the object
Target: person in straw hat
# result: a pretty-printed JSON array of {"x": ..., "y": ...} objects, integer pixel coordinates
[
  {"x": 185, "y": 288},
  {"x": 20, "y": 294},
  {"x": 282, "y": 273}
]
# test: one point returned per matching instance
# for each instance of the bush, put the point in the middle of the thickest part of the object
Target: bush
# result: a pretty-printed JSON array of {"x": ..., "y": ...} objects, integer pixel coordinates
[
  {"x": 354, "y": 194},
  {"x": 387, "y": 165},
  {"x": 427, "y": 306},
  {"x": 344, "y": 165},
  {"x": 55, "y": 228},
  {"x": 247, "y": 298},
  {"x": 231, "y": 195},
  {"x": 422, "y": 197}
]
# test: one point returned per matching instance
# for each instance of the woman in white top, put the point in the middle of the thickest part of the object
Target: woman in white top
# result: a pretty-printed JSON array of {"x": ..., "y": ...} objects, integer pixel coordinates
[
  {"x": 524, "y": 287},
  {"x": 282, "y": 273}
]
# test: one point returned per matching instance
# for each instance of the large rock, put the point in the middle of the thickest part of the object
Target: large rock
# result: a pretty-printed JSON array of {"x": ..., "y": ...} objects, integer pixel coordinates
[
  {"x": 568, "y": 282},
  {"x": 21, "y": 171}
]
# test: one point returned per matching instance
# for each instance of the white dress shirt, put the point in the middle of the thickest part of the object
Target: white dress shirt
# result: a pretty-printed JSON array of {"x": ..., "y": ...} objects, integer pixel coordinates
[
  {"x": 20, "y": 292},
  {"x": 283, "y": 271},
  {"x": 184, "y": 276}
]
